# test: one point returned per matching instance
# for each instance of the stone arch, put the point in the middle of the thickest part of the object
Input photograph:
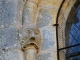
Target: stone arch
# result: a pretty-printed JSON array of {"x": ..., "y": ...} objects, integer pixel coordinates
[{"x": 62, "y": 19}]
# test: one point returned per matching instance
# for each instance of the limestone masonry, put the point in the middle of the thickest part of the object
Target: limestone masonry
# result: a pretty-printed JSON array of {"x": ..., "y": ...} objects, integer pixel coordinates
[{"x": 26, "y": 28}]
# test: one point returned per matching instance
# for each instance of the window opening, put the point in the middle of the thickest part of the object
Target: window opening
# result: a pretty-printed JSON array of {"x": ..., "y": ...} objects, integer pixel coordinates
[{"x": 72, "y": 35}]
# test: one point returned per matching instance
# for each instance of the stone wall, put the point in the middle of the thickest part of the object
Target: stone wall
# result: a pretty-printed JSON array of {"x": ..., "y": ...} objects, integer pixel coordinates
[
  {"x": 10, "y": 22},
  {"x": 15, "y": 14}
]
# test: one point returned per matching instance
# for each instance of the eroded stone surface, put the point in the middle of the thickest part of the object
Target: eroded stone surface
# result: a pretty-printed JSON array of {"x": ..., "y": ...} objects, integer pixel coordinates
[
  {"x": 9, "y": 13},
  {"x": 9, "y": 37},
  {"x": 29, "y": 35},
  {"x": 44, "y": 18},
  {"x": 29, "y": 14},
  {"x": 11, "y": 54},
  {"x": 1, "y": 55},
  {"x": 45, "y": 56},
  {"x": 47, "y": 40}
]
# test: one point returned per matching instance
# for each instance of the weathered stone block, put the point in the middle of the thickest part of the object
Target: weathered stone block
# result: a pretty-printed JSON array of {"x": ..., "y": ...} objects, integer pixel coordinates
[
  {"x": 46, "y": 17},
  {"x": 9, "y": 12},
  {"x": 9, "y": 37},
  {"x": 49, "y": 42},
  {"x": 45, "y": 56},
  {"x": 1, "y": 55},
  {"x": 30, "y": 14},
  {"x": 47, "y": 38},
  {"x": 11, "y": 54}
]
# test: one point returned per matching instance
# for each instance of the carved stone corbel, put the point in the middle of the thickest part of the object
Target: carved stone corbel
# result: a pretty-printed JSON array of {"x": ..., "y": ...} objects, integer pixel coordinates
[
  {"x": 30, "y": 41},
  {"x": 30, "y": 36}
]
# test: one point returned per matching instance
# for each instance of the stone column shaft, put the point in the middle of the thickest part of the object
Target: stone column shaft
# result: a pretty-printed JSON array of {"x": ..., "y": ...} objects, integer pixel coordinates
[
  {"x": 31, "y": 53},
  {"x": 30, "y": 12}
]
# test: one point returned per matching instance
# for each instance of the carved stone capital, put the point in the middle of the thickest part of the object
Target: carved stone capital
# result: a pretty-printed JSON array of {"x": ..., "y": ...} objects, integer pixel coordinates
[{"x": 29, "y": 36}]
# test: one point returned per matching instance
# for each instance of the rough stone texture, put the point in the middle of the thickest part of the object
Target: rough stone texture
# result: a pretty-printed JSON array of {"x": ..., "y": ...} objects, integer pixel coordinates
[
  {"x": 10, "y": 19},
  {"x": 11, "y": 54},
  {"x": 1, "y": 55},
  {"x": 47, "y": 12},
  {"x": 45, "y": 56},
  {"x": 9, "y": 13},
  {"x": 48, "y": 39},
  {"x": 29, "y": 14},
  {"x": 19, "y": 6},
  {"x": 29, "y": 35},
  {"x": 9, "y": 37},
  {"x": 46, "y": 16}
]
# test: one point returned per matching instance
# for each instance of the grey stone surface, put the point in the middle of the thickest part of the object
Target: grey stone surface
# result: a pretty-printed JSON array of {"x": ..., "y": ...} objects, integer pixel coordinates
[
  {"x": 44, "y": 18},
  {"x": 9, "y": 37},
  {"x": 1, "y": 58},
  {"x": 45, "y": 56},
  {"x": 11, "y": 54},
  {"x": 47, "y": 40},
  {"x": 1, "y": 55},
  {"x": 9, "y": 12}
]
